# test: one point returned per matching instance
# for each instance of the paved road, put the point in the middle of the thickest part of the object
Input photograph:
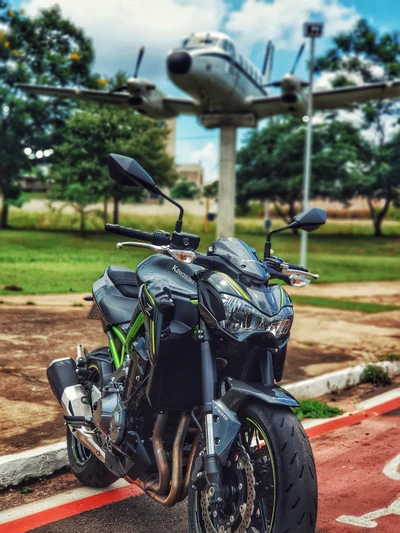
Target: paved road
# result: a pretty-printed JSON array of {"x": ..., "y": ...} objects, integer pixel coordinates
[{"x": 359, "y": 486}]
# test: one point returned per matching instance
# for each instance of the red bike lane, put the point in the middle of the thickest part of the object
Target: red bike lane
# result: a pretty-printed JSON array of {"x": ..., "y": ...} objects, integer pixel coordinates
[{"x": 358, "y": 470}]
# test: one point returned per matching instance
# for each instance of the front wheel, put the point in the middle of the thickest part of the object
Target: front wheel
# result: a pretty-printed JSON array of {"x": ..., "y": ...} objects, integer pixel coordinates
[{"x": 270, "y": 483}]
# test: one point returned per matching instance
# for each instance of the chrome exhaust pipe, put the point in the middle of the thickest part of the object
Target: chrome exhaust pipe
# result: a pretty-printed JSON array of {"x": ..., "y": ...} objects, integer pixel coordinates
[{"x": 73, "y": 399}]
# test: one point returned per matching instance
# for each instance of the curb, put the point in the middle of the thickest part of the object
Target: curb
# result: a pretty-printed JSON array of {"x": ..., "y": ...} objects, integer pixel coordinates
[
  {"x": 46, "y": 460},
  {"x": 38, "y": 462},
  {"x": 335, "y": 381}
]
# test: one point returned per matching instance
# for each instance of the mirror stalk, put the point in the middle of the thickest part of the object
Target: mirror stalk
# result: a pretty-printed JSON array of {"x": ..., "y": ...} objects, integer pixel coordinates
[
  {"x": 267, "y": 248},
  {"x": 178, "y": 225}
]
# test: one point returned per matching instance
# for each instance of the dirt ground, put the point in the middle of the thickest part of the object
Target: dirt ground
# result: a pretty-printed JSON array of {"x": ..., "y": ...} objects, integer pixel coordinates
[
  {"x": 31, "y": 336},
  {"x": 383, "y": 292}
]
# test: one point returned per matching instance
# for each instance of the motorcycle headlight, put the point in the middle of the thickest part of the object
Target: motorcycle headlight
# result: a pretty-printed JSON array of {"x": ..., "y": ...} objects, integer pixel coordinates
[{"x": 242, "y": 317}]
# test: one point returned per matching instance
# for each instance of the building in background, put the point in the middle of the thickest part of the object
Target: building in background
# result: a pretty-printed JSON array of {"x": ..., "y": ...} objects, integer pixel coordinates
[
  {"x": 31, "y": 183},
  {"x": 191, "y": 172}
]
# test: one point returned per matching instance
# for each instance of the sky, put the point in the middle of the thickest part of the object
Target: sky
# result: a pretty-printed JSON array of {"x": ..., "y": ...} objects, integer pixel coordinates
[{"x": 119, "y": 27}]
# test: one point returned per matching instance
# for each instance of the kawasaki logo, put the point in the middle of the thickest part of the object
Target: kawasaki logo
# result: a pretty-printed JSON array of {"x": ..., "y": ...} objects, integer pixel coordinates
[{"x": 178, "y": 271}]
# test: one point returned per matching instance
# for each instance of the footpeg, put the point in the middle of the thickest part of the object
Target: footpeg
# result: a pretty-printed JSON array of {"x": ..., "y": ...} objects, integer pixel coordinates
[{"x": 78, "y": 421}]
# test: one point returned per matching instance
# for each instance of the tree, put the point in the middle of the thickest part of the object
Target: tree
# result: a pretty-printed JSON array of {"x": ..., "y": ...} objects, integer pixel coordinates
[
  {"x": 185, "y": 190},
  {"x": 80, "y": 163},
  {"x": 271, "y": 165},
  {"x": 363, "y": 55},
  {"x": 211, "y": 190},
  {"x": 46, "y": 49}
]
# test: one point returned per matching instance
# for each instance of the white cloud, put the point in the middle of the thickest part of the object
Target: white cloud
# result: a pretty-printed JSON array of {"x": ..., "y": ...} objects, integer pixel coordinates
[
  {"x": 282, "y": 20},
  {"x": 326, "y": 79},
  {"x": 208, "y": 158},
  {"x": 120, "y": 27}
]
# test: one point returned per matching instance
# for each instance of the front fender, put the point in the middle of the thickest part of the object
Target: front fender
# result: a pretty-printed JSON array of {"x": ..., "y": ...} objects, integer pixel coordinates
[{"x": 238, "y": 391}]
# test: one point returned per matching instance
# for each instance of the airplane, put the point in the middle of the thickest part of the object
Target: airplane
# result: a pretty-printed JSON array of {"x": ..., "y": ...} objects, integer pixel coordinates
[{"x": 223, "y": 84}]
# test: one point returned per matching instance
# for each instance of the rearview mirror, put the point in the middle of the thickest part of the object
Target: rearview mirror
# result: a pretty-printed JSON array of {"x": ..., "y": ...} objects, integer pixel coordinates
[
  {"x": 309, "y": 220},
  {"x": 126, "y": 171}
]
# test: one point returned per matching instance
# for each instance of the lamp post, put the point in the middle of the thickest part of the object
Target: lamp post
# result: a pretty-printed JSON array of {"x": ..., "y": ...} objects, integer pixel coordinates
[{"x": 312, "y": 30}]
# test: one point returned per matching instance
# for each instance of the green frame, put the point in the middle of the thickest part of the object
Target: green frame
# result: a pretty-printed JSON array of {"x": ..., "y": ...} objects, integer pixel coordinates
[{"x": 116, "y": 336}]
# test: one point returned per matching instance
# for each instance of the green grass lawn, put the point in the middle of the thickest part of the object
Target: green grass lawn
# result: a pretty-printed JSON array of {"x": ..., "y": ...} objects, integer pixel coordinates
[{"x": 61, "y": 261}]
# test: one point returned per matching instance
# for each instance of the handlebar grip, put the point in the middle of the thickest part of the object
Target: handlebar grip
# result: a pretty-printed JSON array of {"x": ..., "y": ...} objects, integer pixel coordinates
[
  {"x": 297, "y": 267},
  {"x": 129, "y": 232}
]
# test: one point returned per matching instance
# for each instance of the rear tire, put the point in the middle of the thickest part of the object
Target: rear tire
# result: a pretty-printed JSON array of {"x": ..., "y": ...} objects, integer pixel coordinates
[
  {"x": 288, "y": 494},
  {"x": 87, "y": 468}
]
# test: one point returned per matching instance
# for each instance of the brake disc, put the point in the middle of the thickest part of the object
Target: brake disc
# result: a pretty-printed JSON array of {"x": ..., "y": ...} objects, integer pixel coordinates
[{"x": 245, "y": 508}]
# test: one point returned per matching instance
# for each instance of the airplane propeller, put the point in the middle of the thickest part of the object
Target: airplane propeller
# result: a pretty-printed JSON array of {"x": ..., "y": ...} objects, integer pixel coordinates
[
  {"x": 292, "y": 72},
  {"x": 269, "y": 54},
  {"x": 135, "y": 84},
  {"x": 298, "y": 57},
  {"x": 138, "y": 61}
]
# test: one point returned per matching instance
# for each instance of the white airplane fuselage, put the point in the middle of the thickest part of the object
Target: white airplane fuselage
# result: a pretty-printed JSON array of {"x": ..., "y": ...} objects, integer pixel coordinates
[{"x": 214, "y": 74}]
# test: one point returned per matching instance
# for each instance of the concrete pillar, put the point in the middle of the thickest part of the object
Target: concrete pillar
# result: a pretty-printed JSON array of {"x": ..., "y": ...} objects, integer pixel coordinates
[{"x": 227, "y": 182}]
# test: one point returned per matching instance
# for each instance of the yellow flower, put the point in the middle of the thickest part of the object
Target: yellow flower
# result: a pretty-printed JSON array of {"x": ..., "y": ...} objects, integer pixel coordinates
[
  {"x": 102, "y": 82},
  {"x": 11, "y": 14},
  {"x": 7, "y": 44},
  {"x": 75, "y": 57},
  {"x": 22, "y": 11}
]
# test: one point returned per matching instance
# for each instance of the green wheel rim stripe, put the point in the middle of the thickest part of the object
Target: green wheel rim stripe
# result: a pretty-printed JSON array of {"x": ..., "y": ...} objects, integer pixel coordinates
[
  {"x": 75, "y": 454},
  {"x": 272, "y": 464}
]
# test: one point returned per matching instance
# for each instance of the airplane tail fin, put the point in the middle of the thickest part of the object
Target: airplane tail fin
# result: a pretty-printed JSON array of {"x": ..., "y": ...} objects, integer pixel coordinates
[{"x": 268, "y": 61}]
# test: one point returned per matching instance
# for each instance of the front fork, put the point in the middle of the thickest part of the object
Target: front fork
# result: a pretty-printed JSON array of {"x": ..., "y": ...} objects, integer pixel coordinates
[
  {"x": 222, "y": 424},
  {"x": 209, "y": 383}
]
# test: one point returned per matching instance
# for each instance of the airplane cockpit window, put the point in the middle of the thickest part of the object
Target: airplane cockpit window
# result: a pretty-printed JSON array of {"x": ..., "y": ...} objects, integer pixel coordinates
[
  {"x": 228, "y": 47},
  {"x": 195, "y": 41}
]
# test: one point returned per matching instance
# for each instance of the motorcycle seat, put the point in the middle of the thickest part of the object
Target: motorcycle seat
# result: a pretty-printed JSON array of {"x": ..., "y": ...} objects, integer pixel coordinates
[
  {"x": 125, "y": 280},
  {"x": 116, "y": 307}
]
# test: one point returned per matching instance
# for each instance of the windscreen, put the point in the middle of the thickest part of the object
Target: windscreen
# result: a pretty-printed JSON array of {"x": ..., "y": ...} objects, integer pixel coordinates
[{"x": 240, "y": 255}]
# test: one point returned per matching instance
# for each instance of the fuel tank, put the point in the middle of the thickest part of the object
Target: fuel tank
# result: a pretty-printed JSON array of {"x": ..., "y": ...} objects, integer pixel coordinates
[{"x": 180, "y": 276}]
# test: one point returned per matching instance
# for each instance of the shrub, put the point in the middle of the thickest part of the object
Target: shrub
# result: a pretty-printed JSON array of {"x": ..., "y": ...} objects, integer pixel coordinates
[
  {"x": 316, "y": 409},
  {"x": 376, "y": 375}
]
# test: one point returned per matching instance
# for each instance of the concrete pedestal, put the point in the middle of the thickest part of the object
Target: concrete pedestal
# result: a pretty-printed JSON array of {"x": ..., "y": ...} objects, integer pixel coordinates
[{"x": 227, "y": 182}]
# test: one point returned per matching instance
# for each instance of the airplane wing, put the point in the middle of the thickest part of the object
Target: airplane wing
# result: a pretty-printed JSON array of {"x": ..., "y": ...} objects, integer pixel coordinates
[
  {"x": 153, "y": 102},
  {"x": 265, "y": 106},
  {"x": 184, "y": 106},
  {"x": 346, "y": 96},
  {"x": 77, "y": 94}
]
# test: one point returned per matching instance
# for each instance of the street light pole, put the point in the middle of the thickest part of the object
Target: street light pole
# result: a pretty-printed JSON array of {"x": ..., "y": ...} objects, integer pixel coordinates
[{"x": 313, "y": 30}]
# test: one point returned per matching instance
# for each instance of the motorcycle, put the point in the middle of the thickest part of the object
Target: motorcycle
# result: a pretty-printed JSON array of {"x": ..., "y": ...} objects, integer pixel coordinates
[{"x": 184, "y": 400}]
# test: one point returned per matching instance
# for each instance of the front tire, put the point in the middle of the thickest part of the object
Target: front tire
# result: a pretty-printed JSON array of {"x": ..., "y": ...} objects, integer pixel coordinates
[{"x": 284, "y": 471}]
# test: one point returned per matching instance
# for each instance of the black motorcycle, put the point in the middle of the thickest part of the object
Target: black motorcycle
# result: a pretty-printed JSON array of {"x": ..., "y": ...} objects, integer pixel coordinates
[{"x": 184, "y": 401}]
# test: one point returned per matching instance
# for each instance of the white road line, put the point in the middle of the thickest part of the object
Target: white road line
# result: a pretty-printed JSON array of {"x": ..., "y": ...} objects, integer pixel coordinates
[
  {"x": 381, "y": 398},
  {"x": 362, "y": 406},
  {"x": 55, "y": 501}
]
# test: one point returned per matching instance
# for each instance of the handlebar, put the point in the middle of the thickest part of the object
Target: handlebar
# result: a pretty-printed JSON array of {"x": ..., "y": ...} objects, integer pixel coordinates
[
  {"x": 296, "y": 267},
  {"x": 159, "y": 238}
]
